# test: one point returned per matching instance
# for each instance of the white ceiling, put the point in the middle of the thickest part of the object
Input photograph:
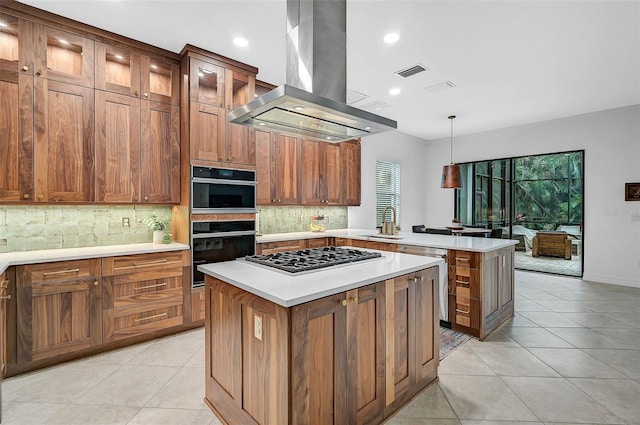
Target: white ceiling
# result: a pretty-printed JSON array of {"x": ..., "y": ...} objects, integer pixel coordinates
[{"x": 513, "y": 62}]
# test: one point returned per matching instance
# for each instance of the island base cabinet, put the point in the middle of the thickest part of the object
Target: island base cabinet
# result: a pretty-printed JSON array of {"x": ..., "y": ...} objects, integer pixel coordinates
[{"x": 350, "y": 358}]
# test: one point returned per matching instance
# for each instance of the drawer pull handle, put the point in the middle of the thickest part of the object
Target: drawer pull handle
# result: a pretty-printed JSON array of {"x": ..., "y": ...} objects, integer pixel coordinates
[
  {"x": 462, "y": 259},
  {"x": 157, "y": 285},
  {"x": 60, "y": 272},
  {"x": 155, "y": 316},
  {"x": 462, "y": 282},
  {"x": 4, "y": 283},
  {"x": 463, "y": 311},
  {"x": 8, "y": 297},
  {"x": 144, "y": 263}
]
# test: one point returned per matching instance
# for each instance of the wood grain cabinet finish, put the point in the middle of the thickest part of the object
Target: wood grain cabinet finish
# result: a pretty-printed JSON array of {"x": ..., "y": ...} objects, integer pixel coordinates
[
  {"x": 64, "y": 158},
  {"x": 16, "y": 45},
  {"x": 382, "y": 246},
  {"x": 206, "y": 82},
  {"x": 142, "y": 293},
  {"x": 350, "y": 164},
  {"x": 7, "y": 290},
  {"x": 59, "y": 308},
  {"x": 480, "y": 290},
  {"x": 16, "y": 134},
  {"x": 320, "y": 171},
  {"x": 290, "y": 245},
  {"x": 278, "y": 171},
  {"x": 350, "y": 358}
]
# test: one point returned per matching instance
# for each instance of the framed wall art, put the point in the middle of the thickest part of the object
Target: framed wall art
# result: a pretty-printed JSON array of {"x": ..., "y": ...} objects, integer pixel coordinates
[{"x": 632, "y": 191}]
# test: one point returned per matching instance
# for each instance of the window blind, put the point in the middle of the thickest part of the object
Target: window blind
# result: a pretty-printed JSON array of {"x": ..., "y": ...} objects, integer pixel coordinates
[{"x": 387, "y": 190}]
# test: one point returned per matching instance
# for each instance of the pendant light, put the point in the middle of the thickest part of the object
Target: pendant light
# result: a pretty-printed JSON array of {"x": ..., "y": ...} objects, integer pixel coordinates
[{"x": 451, "y": 173}]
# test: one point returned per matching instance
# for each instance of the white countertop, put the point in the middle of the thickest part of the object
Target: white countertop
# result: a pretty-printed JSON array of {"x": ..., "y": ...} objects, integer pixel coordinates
[
  {"x": 288, "y": 289},
  {"x": 464, "y": 243},
  {"x": 50, "y": 255}
]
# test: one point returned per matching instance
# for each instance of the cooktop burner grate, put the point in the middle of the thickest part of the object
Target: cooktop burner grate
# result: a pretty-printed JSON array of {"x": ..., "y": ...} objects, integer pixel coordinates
[{"x": 311, "y": 259}]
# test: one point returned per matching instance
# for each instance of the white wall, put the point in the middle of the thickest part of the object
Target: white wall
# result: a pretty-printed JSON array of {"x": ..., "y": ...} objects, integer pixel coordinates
[
  {"x": 410, "y": 153},
  {"x": 611, "y": 140}
]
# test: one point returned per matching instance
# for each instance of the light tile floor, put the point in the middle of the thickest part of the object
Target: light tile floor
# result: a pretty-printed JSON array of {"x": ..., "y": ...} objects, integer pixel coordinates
[
  {"x": 525, "y": 261},
  {"x": 570, "y": 355}
]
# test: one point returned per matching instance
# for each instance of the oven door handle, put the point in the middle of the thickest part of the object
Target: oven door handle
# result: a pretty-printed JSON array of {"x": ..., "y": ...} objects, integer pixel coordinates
[
  {"x": 223, "y": 234},
  {"x": 222, "y": 181},
  {"x": 199, "y": 262}
]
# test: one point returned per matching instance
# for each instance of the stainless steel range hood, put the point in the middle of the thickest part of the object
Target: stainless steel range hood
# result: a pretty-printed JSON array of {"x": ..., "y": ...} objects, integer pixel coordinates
[{"x": 313, "y": 101}]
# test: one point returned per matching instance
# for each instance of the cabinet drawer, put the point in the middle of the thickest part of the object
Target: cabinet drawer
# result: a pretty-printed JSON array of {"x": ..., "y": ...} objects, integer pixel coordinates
[
  {"x": 464, "y": 311},
  {"x": 141, "y": 263},
  {"x": 281, "y": 246},
  {"x": 464, "y": 277},
  {"x": 316, "y": 243},
  {"x": 465, "y": 259},
  {"x": 126, "y": 292},
  {"x": 59, "y": 271},
  {"x": 137, "y": 319},
  {"x": 382, "y": 246}
]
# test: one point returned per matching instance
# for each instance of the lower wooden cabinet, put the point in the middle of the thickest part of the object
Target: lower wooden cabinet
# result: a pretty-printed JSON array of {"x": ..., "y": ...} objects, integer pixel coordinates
[
  {"x": 197, "y": 304},
  {"x": 59, "y": 309},
  {"x": 142, "y": 293},
  {"x": 350, "y": 358},
  {"x": 290, "y": 245},
  {"x": 382, "y": 246}
]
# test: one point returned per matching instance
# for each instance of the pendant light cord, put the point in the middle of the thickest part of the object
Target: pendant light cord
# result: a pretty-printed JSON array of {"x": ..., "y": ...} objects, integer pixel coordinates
[{"x": 451, "y": 117}]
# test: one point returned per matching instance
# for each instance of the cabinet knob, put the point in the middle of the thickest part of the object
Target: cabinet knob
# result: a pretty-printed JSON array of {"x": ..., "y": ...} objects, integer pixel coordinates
[
  {"x": 146, "y": 198},
  {"x": 145, "y": 94},
  {"x": 415, "y": 279},
  {"x": 25, "y": 68},
  {"x": 39, "y": 72},
  {"x": 96, "y": 283},
  {"x": 25, "y": 196},
  {"x": 343, "y": 302},
  {"x": 273, "y": 201},
  {"x": 41, "y": 196},
  {"x": 135, "y": 93},
  {"x": 355, "y": 299}
]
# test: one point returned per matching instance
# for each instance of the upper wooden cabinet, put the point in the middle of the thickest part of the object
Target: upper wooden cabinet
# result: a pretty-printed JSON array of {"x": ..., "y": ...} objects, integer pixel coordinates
[
  {"x": 16, "y": 136},
  {"x": 278, "y": 169},
  {"x": 206, "y": 82},
  {"x": 239, "y": 88},
  {"x": 63, "y": 56},
  {"x": 321, "y": 179},
  {"x": 16, "y": 44},
  {"x": 350, "y": 173},
  {"x": 64, "y": 142}
]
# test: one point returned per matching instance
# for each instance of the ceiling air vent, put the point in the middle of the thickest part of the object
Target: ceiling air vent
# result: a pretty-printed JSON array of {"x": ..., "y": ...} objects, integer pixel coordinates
[
  {"x": 412, "y": 70},
  {"x": 355, "y": 96},
  {"x": 445, "y": 85},
  {"x": 374, "y": 105}
]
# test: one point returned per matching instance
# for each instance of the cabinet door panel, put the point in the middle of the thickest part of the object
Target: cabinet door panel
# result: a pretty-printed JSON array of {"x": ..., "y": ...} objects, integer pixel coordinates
[
  {"x": 206, "y": 83},
  {"x": 312, "y": 170},
  {"x": 117, "y": 70},
  {"x": 16, "y": 136},
  {"x": 207, "y": 132},
  {"x": 240, "y": 146},
  {"x": 160, "y": 153},
  {"x": 64, "y": 141},
  {"x": 426, "y": 325},
  {"x": 117, "y": 147},
  {"x": 285, "y": 175},
  {"x": 16, "y": 45},
  {"x": 264, "y": 146},
  {"x": 350, "y": 153},
  {"x": 332, "y": 178},
  {"x": 160, "y": 80}
]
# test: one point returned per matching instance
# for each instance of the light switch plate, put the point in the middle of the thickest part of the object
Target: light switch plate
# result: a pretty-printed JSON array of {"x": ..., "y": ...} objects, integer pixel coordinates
[{"x": 257, "y": 326}]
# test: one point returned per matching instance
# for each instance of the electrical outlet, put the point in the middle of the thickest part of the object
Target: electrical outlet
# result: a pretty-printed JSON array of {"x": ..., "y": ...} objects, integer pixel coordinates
[
  {"x": 257, "y": 326},
  {"x": 126, "y": 222}
]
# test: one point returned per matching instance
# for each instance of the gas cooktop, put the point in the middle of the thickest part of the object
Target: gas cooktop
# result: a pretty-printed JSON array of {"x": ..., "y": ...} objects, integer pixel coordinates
[{"x": 311, "y": 259}]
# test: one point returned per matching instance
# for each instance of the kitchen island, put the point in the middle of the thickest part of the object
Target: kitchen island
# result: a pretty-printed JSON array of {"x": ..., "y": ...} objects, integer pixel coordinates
[{"x": 348, "y": 344}]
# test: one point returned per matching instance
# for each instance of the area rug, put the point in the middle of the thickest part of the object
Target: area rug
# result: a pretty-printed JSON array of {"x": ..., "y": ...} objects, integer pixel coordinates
[{"x": 450, "y": 340}]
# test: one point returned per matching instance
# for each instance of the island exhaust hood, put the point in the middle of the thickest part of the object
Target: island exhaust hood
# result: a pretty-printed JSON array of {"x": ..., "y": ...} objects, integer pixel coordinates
[{"x": 313, "y": 101}]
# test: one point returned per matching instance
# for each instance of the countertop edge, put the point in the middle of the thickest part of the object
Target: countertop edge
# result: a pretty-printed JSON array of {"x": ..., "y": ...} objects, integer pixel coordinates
[{"x": 65, "y": 254}]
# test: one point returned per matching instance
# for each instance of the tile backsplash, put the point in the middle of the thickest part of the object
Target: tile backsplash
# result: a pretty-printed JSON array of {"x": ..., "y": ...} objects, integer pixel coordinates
[
  {"x": 297, "y": 218},
  {"x": 71, "y": 226}
]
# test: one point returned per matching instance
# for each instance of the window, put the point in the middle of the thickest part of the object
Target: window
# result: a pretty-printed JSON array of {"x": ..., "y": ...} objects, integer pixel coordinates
[{"x": 387, "y": 190}]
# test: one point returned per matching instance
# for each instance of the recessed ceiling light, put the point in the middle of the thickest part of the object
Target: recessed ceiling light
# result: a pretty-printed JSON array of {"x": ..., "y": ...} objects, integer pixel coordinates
[
  {"x": 394, "y": 91},
  {"x": 298, "y": 108},
  {"x": 261, "y": 123},
  {"x": 391, "y": 38},
  {"x": 240, "y": 42},
  {"x": 329, "y": 138},
  {"x": 367, "y": 127}
]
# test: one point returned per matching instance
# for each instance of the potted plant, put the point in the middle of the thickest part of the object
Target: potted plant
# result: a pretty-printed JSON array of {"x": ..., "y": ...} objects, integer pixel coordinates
[{"x": 158, "y": 223}]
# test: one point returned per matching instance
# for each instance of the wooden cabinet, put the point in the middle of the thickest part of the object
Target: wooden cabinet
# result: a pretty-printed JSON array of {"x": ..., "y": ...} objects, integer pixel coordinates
[
  {"x": 278, "y": 169},
  {"x": 350, "y": 164},
  {"x": 215, "y": 88},
  {"x": 59, "y": 308},
  {"x": 64, "y": 142},
  {"x": 16, "y": 133},
  {"x": 197, "y": 304},
  {"x": 7, "y": 301},
  {"x": 382, "y": 246},
  {"x": 480, "y": 290},
  {"x": 290, "y": 245},
  {"x": 350, "y": 358},
  {"x": 320, "y": 173},
  {"x": 159, "y": 153},
  {"x": 63, "y": 56},
  {"x": 142, "y": 293},
  {"x": 16, "y": 45}
]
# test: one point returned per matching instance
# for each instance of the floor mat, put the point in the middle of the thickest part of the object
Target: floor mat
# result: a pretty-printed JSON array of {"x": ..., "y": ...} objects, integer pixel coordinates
[{"x": 450, "y": 340}]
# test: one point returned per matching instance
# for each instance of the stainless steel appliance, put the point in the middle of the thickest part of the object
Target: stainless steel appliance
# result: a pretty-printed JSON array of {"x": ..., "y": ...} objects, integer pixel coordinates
[
  {"x": 215, "y": 241},
  {"x": 312, "y": 259},
  {"x": 443, "y": 275},
  {"x": 222, "y": 190}
]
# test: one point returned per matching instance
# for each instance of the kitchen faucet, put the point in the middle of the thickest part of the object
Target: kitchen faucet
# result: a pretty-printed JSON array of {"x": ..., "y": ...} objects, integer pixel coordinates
[{"x": 388, "y": 227}]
